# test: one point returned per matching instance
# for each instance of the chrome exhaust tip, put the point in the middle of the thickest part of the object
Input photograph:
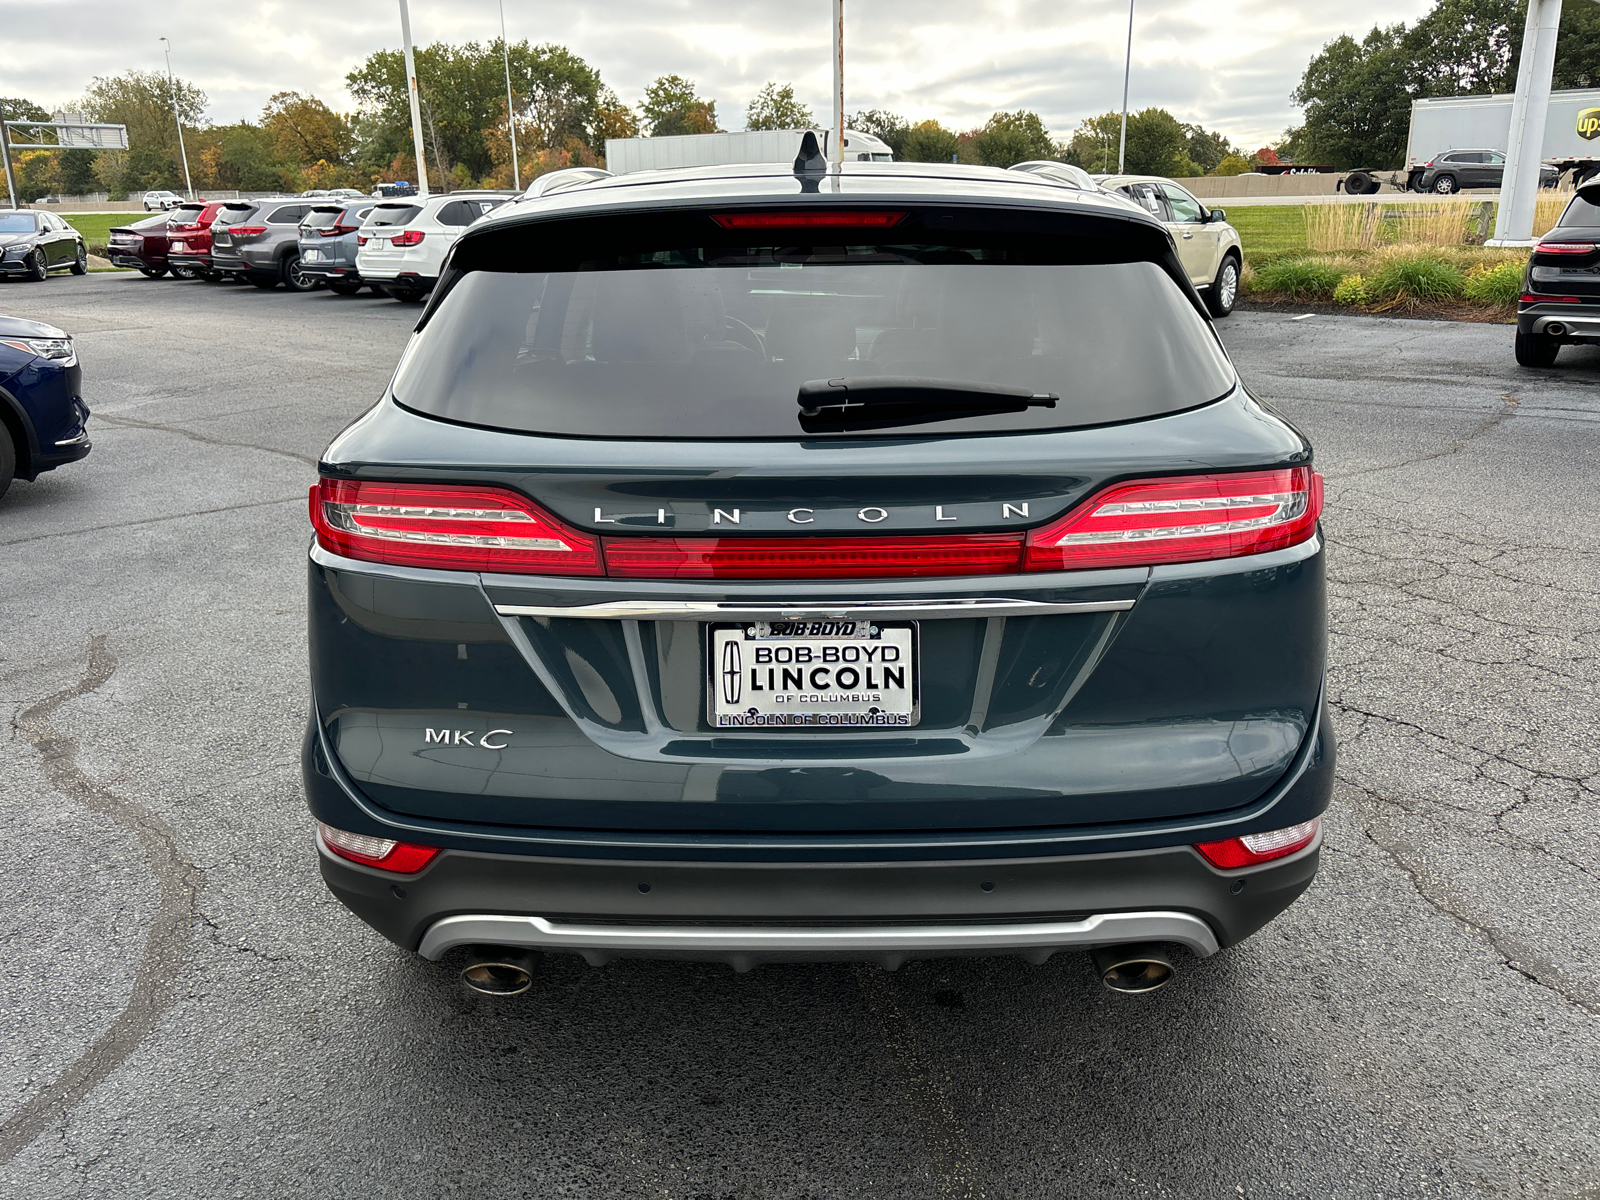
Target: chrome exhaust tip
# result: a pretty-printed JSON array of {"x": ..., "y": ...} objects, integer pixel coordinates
[
  {"x": 1555, "y": 329},
  {"x": 1134, "y": 967},
  {"x": 498, "y": 970}
]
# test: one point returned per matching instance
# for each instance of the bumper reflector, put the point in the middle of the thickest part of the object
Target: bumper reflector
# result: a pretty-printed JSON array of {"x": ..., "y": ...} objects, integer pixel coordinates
[
  {"x": 1255, "y": 848},
  {"x": 386, "y": 854}
]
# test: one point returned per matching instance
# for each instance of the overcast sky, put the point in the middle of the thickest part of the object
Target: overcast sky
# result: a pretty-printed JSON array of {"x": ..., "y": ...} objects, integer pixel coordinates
[{"x": 1228, "y": 64}]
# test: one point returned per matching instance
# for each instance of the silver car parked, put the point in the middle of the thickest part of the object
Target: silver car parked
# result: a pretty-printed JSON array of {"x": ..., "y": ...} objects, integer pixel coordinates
[{"x": 328, "y": 245}]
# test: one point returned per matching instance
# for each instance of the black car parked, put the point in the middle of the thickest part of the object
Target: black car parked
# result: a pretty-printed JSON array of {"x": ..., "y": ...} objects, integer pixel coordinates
[
  {"x": 872, "y": 563},
  {"x": 32, "y": 244},
  {"x": 1560, "y": 303},
  {"x": 1453, "y": 170}
]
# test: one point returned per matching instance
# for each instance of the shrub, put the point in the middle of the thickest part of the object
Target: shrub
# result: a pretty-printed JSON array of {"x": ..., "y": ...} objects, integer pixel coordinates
[
  {"x": 1410, "y": 279},
  {"x": 1498, "y": 284},
  {"x": 1352, "y": 291},
  {"x": 1298, "y": 278}
]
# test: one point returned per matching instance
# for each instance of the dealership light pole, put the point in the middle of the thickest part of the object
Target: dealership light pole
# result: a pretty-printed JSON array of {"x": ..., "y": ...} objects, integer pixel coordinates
[
  {"x": 184, "y": 154},
  {"x": 1513, "y": 223},
  {"x": 838, "y": 81},
  {"x": 1127, "y": 70},
  {"x": 511, "y": 107},
  {"x": 416, "y": 108}
]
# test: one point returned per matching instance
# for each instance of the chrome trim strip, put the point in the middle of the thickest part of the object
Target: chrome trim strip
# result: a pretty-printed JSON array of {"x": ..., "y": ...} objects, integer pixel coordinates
[
  {"x": 1583, "y": 326},
  {"x": 717, "y": 610},
  {"x": 744, "y": 946}
]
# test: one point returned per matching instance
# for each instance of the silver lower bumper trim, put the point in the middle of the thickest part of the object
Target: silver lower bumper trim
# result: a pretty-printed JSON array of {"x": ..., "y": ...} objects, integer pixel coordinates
[
  {"x": 1584, "y": 327},
  {"x": 745, "y": 947}
]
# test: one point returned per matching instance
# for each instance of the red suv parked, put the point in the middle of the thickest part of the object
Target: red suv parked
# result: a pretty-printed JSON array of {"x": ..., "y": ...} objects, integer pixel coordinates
[{"x": 189, "y": 234}]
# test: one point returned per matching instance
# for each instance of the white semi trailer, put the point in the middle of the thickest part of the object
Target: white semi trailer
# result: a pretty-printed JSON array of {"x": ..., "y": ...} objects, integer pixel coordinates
[
  {"x": 1572, "y": 125},
  {"x": 626, "y": 155}
]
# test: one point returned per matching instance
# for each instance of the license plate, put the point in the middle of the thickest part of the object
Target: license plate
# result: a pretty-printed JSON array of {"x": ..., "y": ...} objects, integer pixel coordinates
[{"x": 820, "y": 674}]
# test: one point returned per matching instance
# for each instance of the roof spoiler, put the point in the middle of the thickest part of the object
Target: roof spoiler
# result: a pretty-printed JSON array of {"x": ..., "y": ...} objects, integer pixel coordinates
[{"x": 568, "y": 177}]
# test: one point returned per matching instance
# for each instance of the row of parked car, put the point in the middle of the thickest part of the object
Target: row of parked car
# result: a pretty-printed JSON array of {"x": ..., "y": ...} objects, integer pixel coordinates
[{"x": 394, "y": 246}]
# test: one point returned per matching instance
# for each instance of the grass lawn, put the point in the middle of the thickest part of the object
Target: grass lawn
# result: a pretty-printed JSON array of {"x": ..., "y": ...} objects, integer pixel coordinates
[
  {"x": 1269, "y": 229},
  {"x": 96, "y": 227}
]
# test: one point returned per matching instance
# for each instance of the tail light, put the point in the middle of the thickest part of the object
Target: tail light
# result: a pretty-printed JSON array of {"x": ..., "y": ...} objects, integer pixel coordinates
[
  {"x": 410, "y": 237},
  {"x": 361, "y": 241},
  {"x": 246, "y": 230},
  {"x": 1531, "y": 298},
  {"x": 403, "y": 858},
  {"x": 339, "y": 229},
  {"x": 1255, "y": 848},
  {"x": 1565, "y": 248},
  {"x": 1184, "y": 519},
  {"x": 808, "y": 220},
  {"x": 449, "y": 527},
  {"x": 812, "y": 558}
]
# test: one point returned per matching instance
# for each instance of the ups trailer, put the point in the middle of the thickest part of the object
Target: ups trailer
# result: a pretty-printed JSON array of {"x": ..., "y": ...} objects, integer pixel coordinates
[{"x": 1445, "y": 123}]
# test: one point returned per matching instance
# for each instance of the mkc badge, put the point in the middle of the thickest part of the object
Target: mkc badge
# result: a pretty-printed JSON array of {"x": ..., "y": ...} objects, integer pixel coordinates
[
  {"x": 732, "y": 672},
  {"x": 1589, "y": 124}
]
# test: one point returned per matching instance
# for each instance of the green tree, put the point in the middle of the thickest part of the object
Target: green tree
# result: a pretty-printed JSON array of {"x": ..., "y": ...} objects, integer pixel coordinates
[
  {"x": 1094, "y": 143},
  {"x": 1158, "y": 144},
  {"x": 1010, "y": 138},
  {"x": 1233, "y": 164},
  {"x": 928, "y": 141},
  {"x": 1357, "y": 102},
  {"x": 613, "y": 119},
  {"x": 774, "y": 107},
  {"x": 888, "y": 127},
  {"x": 77, "y": 172},
  {"x": 463, "y": 94},
  {"x": 1206, "y": 148},
  {"x": 1462, "y": 47},
  {"x": 671, "y": 107}
]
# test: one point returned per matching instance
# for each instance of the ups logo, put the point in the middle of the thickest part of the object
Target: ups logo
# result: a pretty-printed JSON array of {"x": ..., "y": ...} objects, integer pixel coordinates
[{"x": 1589, "y": 124}]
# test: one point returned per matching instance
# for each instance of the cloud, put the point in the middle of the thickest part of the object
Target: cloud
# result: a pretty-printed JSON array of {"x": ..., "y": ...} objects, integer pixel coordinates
[{"x": 1228, "y": 64}]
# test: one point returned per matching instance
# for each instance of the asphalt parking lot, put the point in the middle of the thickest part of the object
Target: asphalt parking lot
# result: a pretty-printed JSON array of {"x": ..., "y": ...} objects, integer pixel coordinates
[{"x": 187, "y": 1013}]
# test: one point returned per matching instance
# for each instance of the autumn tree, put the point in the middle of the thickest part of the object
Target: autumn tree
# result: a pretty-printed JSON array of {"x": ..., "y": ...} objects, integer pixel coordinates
[
  {"x": 671, "y": 107},
  {"x": 774, "y": 107},
  {"x": 305, "y": 130},
  {"x": 928, "y": 141}
]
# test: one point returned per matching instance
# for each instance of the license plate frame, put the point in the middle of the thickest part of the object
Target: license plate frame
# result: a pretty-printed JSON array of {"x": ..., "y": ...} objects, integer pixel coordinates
[{"x": 877, "y": 644}]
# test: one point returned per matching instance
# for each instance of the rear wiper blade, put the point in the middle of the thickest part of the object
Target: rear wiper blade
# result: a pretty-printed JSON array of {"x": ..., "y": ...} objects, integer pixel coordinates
[{"x": 877, "y": 401}]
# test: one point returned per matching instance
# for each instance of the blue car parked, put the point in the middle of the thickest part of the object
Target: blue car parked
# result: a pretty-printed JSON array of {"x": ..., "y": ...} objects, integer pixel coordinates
[{"x": 43, "y": 419}]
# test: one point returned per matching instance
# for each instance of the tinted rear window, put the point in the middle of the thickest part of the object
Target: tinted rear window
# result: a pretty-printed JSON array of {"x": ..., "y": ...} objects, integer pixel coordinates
[
  {"x": 1580, "y": 213},
  {"x": 393, "y": 214},
  {"x": 184, "y": 214},
  {"x": 322, "y": 218},
  {"x": 714, "y": 341},
  {"x": 230, "y": 215}
]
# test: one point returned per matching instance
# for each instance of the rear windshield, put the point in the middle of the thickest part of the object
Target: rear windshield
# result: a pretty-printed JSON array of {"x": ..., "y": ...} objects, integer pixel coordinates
[
  {"x": 185, "y": 214},
  {"x": 393, "y": 214},
  {"x": 322, "y": 218},
  {"x": 1580, "y": 213},
  {"x": 716, "y": 341},
  {"x": 230, "y": 215}
]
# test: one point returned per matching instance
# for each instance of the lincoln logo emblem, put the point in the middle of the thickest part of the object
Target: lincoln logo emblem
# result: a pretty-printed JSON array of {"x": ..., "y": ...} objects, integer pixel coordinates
[{"x": 732, "y": 672}]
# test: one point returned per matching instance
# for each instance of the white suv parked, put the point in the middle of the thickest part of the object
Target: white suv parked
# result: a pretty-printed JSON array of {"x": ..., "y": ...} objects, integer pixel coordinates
[
  {"x": 402, "y": 243},
  {"x": 1207, "y": 245}
]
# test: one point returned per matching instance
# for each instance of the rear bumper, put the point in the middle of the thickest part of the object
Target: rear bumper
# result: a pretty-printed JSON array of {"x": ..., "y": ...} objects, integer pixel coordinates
[
  {"x": 1574, "y": 323},
  {"x": 886, "y": 912},
  {"x": 200, "y": 262}
]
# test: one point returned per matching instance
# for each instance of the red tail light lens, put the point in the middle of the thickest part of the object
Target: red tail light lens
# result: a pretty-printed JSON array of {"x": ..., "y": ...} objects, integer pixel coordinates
[
  {"x": 338, "y": 229},
  {"x": 403, "y": 858},
  {"x": 1255, "y": 848},
  {"x": 448, "y": 527},
  {"x": 1534, "y": 298},
  {"x": 1184, "y": 519},
  {"x": 1565, "y": 248},
  {"x": 361, "y": 241},
  {"x": 246, "y": 230},
  {"x": 809, "y": 220},
  {"x": 410, "y": 237},
  {"x": 812, "y": 558}
]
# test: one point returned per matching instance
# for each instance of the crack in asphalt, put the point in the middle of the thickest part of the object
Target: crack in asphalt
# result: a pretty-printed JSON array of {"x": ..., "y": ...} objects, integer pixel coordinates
[
  {"x": 202, "y": 437},
  {"x": 942, "y": 1135},
  {"x": 199, "y": 512},
  {"x": 166, "y": 944},
  {"x": 1514, "y": 954},
  {"x": 1508, "y": 405}
]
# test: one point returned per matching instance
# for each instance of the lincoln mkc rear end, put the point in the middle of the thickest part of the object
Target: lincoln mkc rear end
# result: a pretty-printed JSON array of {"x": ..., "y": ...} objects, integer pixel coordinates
[{"x": 871, "y": 564}]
